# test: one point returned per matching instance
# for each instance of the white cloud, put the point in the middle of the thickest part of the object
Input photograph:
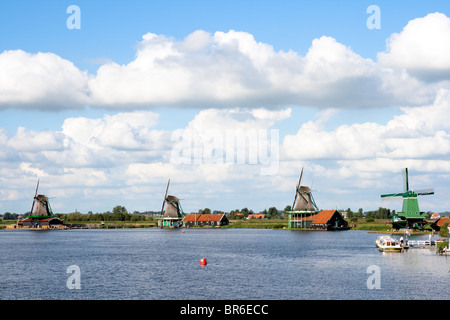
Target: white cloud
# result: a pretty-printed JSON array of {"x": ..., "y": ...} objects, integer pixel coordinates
[
  {"x": 419, "y": 132},
  {"x": 122, "y": 131},
  {"x": 422, "y": 48},
  {"x": 232, "y": 69},
  {"x": 31, "y": 141},
  {"x": 40, "y": 81}
]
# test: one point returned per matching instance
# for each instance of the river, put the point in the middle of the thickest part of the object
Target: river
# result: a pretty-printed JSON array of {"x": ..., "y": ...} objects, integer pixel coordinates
[{"x": 249, "y": 264}]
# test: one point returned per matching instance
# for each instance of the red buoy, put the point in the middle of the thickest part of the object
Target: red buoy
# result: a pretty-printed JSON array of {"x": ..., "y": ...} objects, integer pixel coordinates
[{"x": 203, "y": 262}]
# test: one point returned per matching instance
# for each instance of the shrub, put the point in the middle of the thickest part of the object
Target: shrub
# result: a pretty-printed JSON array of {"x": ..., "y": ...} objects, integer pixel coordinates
[{"x": 443, "y": 232}]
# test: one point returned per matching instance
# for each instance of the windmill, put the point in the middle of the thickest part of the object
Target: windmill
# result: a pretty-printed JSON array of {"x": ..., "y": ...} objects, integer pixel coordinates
[
  {"x": 303, "y": 206},
  {"x": 40, "y": 205},
  {"x": 305, "y": 199},
  {"x": 171, "y": 207},
  {"x": 410, "y": 216}
]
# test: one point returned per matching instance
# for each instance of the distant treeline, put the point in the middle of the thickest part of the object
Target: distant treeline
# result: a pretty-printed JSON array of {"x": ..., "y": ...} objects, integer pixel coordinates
[{"x": 120, "y": 213}]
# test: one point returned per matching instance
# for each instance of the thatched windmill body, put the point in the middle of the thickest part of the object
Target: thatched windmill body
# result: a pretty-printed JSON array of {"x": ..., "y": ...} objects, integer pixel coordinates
[{"x": 41, "y": 205}]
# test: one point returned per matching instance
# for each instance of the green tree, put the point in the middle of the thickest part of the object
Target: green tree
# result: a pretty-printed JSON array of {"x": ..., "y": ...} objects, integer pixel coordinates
[
  {"x": 120, "y": 213},
  {"x": 272, "y": 213},
  {"x": 443, "y": 232}
]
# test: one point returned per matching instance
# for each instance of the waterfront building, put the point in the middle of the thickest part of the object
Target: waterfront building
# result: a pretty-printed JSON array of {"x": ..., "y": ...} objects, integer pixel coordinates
[
  {"x": 211, "y": 220},
  {"x": 323, "y": 220}
]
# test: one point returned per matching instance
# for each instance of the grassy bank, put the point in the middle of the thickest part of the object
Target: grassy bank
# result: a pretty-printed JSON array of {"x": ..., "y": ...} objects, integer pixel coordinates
[
  {"x": 258, "y": 224},
  {"x": 373, "y": 225}
]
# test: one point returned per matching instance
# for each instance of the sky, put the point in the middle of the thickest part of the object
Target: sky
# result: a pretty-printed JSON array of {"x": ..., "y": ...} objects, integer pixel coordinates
[{"x": 105, "y": 101}]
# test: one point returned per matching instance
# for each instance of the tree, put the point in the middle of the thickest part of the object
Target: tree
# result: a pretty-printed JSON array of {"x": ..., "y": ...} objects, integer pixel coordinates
[
  {"x": 120, "y": 213},
  {"x": 443, "y": 232},
  {"x": 272, "y": 213}
]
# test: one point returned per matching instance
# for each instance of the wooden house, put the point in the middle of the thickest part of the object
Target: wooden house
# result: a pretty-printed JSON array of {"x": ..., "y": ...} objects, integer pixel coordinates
[{"x": 211, "y": 220}]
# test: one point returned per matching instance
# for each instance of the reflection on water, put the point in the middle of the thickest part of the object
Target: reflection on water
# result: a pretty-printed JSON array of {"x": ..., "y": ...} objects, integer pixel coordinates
[{"x": 242, "y": 264}]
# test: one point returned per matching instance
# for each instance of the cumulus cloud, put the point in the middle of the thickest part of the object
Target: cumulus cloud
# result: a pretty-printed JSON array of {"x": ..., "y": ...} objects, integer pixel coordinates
[
  {"x": 418, "y": 138},
  {"x": 40, "y": 81},
  {"x": 232, "y": 69},
  {"x": 422, "y": 48}
]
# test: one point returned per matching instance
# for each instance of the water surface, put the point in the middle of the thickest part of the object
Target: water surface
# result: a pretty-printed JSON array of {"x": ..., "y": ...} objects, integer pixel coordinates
[{"x": 252, "y": 264}]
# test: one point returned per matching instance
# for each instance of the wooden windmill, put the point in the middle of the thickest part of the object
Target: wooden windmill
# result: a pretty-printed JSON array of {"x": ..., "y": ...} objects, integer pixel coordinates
[
  {"x": 410, "y": 216},
  {"x": 41, "y": 205},
  {"x": 303, "y": 200},
  {"x": 303, "y": 207},
  {"x": 171, "y": 207}
]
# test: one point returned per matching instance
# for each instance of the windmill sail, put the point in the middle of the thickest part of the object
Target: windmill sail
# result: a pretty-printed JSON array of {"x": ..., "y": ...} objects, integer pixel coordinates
[
  {"x": 405, "y": 180},
  {"x": 34, "y": 199},
  {"x": 165, "y": 196}
]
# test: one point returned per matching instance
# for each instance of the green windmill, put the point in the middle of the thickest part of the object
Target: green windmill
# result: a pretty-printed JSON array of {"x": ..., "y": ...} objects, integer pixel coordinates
[{"x": 410, "y": 217}]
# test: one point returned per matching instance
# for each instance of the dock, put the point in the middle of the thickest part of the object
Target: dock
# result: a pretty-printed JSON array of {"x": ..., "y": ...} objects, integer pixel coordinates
[{"x": 421, "y": 243}]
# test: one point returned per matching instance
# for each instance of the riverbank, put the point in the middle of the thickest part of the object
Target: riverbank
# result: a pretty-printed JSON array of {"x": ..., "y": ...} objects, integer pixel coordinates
[{"x": 373, "y": 226}]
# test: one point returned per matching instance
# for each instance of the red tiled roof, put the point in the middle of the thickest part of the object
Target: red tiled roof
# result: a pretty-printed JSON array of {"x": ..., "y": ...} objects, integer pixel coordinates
[
  {"x": 319, "y": 218},
  {"x": 441, "y": 221},
  {"x": 323, "y": 216},
  {"x": 190, "y": 217},
  {"x": 257, "y": 215},
  {"x": 210, "y": 217},
  {"x": 203, "y": 217}
]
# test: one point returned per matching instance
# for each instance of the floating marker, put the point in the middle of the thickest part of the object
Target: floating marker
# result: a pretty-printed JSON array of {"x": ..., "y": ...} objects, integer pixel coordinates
[{"x": 203, "y": 262}]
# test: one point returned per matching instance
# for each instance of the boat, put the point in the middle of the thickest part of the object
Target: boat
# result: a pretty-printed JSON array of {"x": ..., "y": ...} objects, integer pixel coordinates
[{"x": 389, "y": 244}]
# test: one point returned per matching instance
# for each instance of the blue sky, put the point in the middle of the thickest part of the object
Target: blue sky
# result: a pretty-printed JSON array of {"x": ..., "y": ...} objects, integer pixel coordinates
[{"x": 328, "y": 84}]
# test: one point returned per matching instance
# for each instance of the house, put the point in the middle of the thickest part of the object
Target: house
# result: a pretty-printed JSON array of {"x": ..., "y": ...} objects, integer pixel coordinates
[
  {"x": 256, "y": 216},
  {"x": 211, "y": 220},
  {"x": 41, "y": 223},
  {"x": 435, "y": 216},
  {"x": 323, "y": 220},
  {"x": 436, "y": 226}
]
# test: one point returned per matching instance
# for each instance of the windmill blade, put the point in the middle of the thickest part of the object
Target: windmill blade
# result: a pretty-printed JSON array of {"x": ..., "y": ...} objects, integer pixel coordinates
[
  {"x": 405, "y": 180},
  {"x": 424, "y": 192},
  {"x": 165, "y": 197},
  {"x": 167, "y": 189},
  {"x": 34, "y": 199},
  {"x": 392, "y": 195},
  {"x": 296, "y": 189}
]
